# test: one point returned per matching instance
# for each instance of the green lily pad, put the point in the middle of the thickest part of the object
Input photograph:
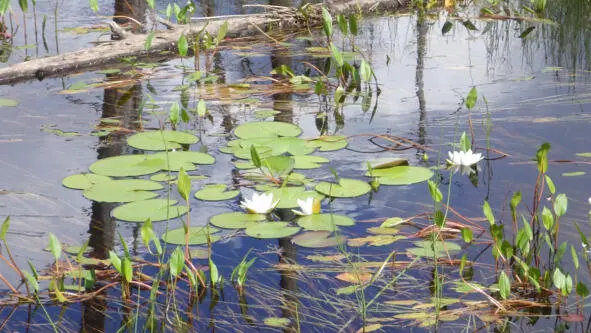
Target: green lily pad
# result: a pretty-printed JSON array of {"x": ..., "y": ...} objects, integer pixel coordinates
[
  {"x": 127, "y": 165},
  {"x": 271, "y": 230},
  {"x": 154, "y": 209},
  {"x": 430, "y": 250},
  {"x": 329, "y": 143},
  {"x": 174, "y": 161},
  {"x": 216, "y": 192},
  {"x": 83, "y": 181},
  {"x": 161, "y": 140},
  {"x": 8, "y": 102},
  {"x": 266, "y": 129},
  {"x": 584, "y": 154},
  {"x": 401, "y": 175},
  {"x": 346, "y": 188},
  {"x": 317, "y": 239},
  {"x": 163, "y": 177},
  {"x": 328, "y": 222},
  {"x": 288, "y": 196},
  {"x": 236, "y": 220},
  {"x": 309, "y": 161},
  {"x": 124, "y": 190},
  {"x": 197, "y": 236},
  {"x": 262, "y": 114}
]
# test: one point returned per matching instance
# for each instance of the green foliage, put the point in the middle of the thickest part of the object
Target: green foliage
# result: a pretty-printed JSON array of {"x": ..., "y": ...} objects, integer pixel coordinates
[
  {"x": 184, "y": 185},
  {"x": 471, "y": 98},
  {"x": 326, "y": 23},
  {"x": 93, "y": 5},
  {"x": 488, "y": 213},
  {"x": 504, "y": 285},
  {"x": 465, "y": 143},
  {"x": 436, "y": 194},
  {"x": 542, "y": 158},
  {"x": 4, "y": 228},
  {"x": 176, "y": 262},
  {"x": 55, "y": 246},
  {"x": 183, "y": 45}
]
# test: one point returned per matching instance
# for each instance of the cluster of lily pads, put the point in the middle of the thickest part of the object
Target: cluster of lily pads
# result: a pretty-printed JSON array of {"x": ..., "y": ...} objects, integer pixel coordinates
[{"x": 268, "y": 153}]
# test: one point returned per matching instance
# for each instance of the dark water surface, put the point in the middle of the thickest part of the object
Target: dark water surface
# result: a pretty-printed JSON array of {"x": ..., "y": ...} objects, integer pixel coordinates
[{"x": 537, "y": 90}]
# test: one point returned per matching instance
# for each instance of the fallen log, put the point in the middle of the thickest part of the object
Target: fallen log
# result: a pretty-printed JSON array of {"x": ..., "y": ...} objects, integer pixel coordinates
[{"x": 133, "y": 45}]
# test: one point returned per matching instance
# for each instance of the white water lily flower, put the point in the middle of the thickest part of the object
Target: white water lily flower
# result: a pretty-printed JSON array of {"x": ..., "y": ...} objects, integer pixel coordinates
[
  {"x": 309, "y": 206},
  {"x": 590, "y": 200},
  {"x": 464, "y": 158},
  {"x": 259, "y": 204}
]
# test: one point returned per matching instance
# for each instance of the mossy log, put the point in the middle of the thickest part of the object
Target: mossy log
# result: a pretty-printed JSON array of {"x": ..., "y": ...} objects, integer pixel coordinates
[{"x": 111, "y": 52}]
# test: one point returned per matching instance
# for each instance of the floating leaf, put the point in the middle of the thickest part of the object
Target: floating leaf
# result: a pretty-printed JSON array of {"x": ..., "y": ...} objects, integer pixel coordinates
[
  {"x": 277, "y": 322},
  {"x": 574, "y": 174},
  {"x": 197, "y": 236},
  {"x": 328, "y": 222},
  {"x": 584, "y": 154},
  {"x": 127, "y": 165},
  {"x": 401, "y": 175},
  {"x": 216, "y": 192},
  {"x": 354, "y": 277},
  {"x": 271, "y": 230},
  {"x": 262, "y": 114},
  {"x": 317, "y": 239},
  {"x": 8, "y": 102},
  {"x": 266, "y": 129},
  {"x": 288, "y": 196},
  {"x": 161, "y": 140},
  {"x": 163, "y": 177},
  {"x": 124, "y": 190},
  {"x": 329, "y": 143},
  {"x": 174, "y": 161},
  {"x": 83, "y": 181},
  {"x": 375, "y": 240},
  {"x": 392, "y": 222},
  {"x": 437, "y": 249},
  {"x": 236, "y": 220},
  {"x": 153, "y": 209},
  {"x": 346, "y": 188},
  {"x": 309, "y": 162}
]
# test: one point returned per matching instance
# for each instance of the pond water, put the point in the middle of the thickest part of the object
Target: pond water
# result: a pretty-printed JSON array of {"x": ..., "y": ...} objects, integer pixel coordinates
[{"x": 536, "y": 89}]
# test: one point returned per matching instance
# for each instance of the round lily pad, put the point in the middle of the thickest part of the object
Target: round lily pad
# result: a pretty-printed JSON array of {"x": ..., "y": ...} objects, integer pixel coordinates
[
  {"x": 83, "y": 181},
  {"x": 127, "y": 165},
  {"x": 329, "y": 143},
  {"x": 174, "y": 161},
  {"x": 266, "y": 129},
  {"x": 288, "y": 196},
  {"x": 161, "y": 140},
  {"x": 271, "y": 230},
  {"x": 317, "y": 239},
  {"x": 197, "y": 236},
  {"x": 346, "y": 188},
  {"x": 328, "y": 222},
  {"x": 309, "y": 161},
  {"x": 124, "y": 190},
  {"x": 154, "y": 209},
  {"x": 216, "y": 192},
  {"x": 401, "y": 175},
  {"x": 437, "y": 250},
  {"x": 236, "y": 220}
]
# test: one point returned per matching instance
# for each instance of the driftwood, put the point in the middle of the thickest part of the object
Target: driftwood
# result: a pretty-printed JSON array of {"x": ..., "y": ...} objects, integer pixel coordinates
[{"x": 133, "y": 45}]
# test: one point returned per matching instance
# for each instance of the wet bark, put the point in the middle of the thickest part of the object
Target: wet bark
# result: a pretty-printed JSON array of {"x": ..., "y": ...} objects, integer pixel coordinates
[{"x": 133, "y": 45}]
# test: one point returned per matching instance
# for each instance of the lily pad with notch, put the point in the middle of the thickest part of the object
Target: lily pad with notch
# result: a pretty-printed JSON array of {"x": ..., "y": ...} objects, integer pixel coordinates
[
  {"x": 83, "y": 181},
  {"x": 309, "y": 161},
  {"x": 271, "y": 230},
  {"x": 125, "y": 190},
  {"x": 127, "y": 165},
  {"x": 327, "y": 222},
  {"x": 153, "y": 209},
  {"x": 236, "y": 220},
  {"x": 401, "y": 175},
  {"x": 329, "y": 143},
  {"x": 317, "y": 239},
  {"x": 174, "y": 161},
  {"x": 346, "y": 188},
  {"x": 266, "y": 129},
  {"x": 161, "y": 140},
  {"x": 216, "y": 192},
  {"x": 197, "y": 236}
]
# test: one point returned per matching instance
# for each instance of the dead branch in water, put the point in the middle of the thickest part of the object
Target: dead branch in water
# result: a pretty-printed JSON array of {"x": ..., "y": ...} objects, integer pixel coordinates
[{"x": 166, "y": 40}]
